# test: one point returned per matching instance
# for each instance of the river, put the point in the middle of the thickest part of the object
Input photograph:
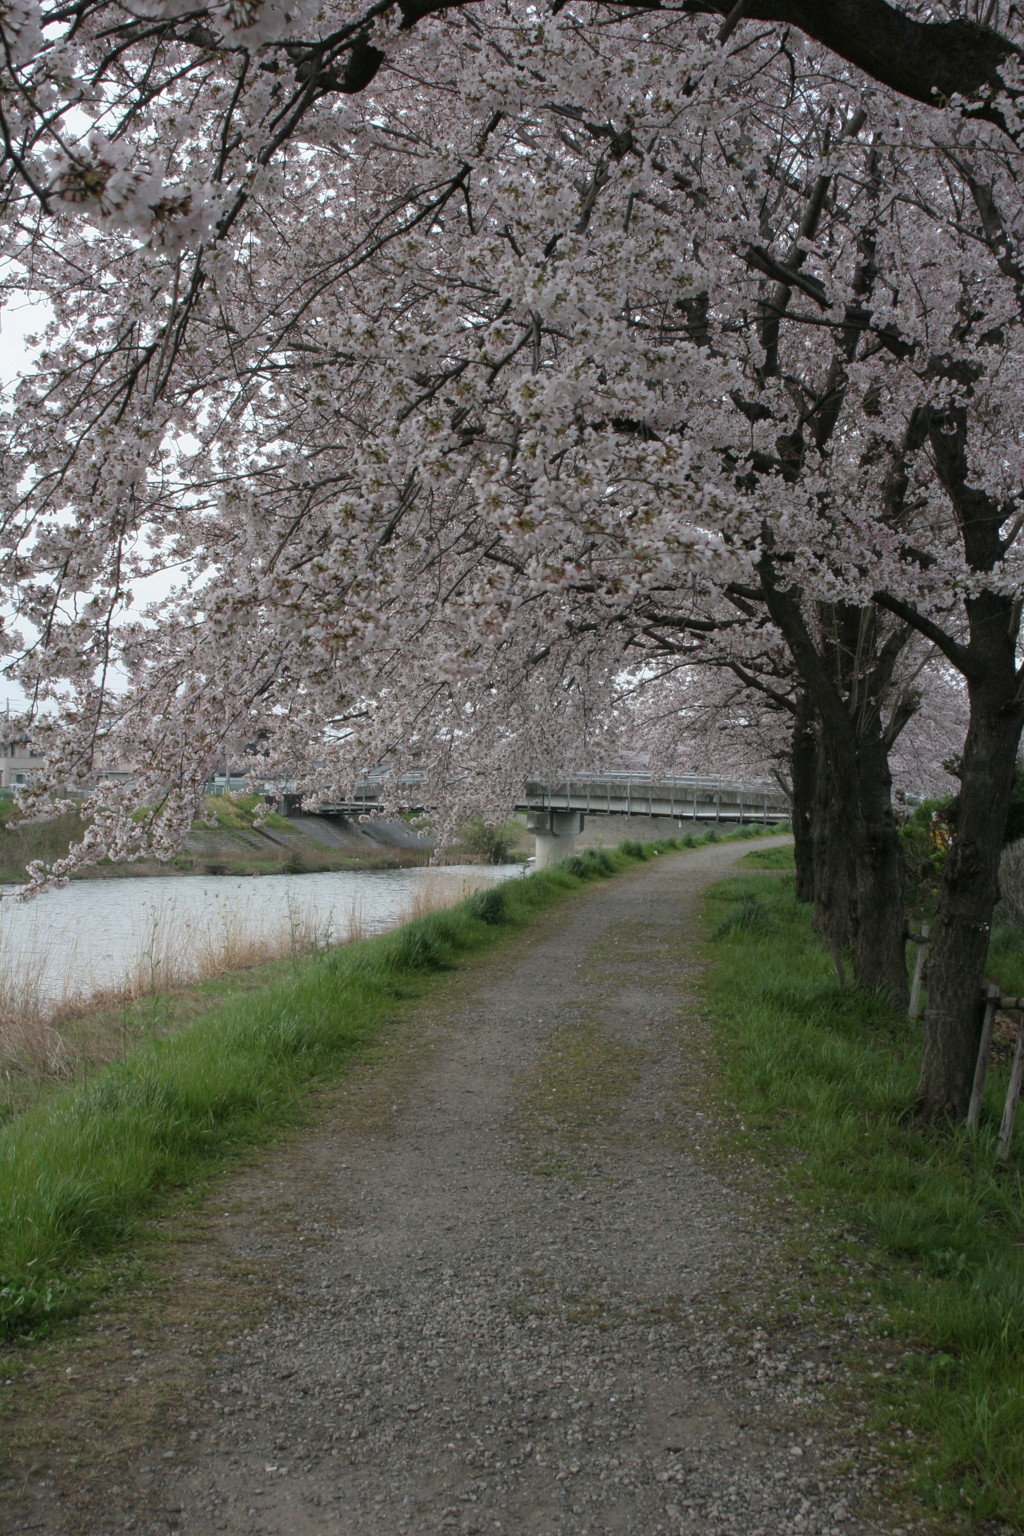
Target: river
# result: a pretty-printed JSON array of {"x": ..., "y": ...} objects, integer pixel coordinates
[{"x": 114, "y": 935}]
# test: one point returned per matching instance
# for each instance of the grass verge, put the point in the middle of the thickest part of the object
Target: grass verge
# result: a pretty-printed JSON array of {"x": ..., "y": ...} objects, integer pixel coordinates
[
  {"x": 78, "y": 1171},
  {"x": 824, "y": 1078}
]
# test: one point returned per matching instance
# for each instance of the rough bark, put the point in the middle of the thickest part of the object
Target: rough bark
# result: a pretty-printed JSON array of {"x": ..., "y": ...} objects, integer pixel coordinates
[
  {"x": 929, "y": 61},
  {"x": 834, "y": 881},
  {"x": 995, "y": 686},
  {"x": 956, "y": 966},
  {"x": 803, "y": 757},
  {"x": 857, "y": 857},
  {"x": 880, "y": 960}
]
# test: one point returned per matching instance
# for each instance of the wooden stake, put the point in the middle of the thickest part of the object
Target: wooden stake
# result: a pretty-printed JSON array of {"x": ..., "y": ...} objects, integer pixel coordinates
[
  {"x": 915, "y": 990},
  {"x": 1012, "y": 1095},
  {"x": 984, "y": 1048}
]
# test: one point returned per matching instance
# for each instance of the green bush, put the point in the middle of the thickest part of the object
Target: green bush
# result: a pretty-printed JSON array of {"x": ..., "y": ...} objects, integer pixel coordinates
[
  {"x": 925, "y": 838},
  {"x": 32, "y": 1301},
  {"x": 489, "y": 906},
  {"x": 495, "y": 845}
]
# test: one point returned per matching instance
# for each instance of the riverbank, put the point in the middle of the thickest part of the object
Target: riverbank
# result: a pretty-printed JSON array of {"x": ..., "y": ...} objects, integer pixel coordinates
[
  {"x": 88, "y": 972},
  {"x": 917, "y": 1232}
]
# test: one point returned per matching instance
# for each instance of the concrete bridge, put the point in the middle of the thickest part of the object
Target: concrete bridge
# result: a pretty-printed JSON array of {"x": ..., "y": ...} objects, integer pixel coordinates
[{"x": 555, "y": 812}]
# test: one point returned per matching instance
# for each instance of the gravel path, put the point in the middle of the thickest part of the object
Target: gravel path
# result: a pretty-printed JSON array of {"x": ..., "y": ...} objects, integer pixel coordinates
[{"x": 503, "y": 1298}]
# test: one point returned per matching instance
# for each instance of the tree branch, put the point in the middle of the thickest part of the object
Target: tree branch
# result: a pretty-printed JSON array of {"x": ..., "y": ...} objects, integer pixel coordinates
[{"x": 958, "y": 654}]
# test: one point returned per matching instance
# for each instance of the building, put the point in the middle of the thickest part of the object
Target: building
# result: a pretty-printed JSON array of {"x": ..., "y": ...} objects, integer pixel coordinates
[{"x": 18, "y": 761}]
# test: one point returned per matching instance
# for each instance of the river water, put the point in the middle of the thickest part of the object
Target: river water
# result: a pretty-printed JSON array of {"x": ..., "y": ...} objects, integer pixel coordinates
[{"x": 116, "y": 934}]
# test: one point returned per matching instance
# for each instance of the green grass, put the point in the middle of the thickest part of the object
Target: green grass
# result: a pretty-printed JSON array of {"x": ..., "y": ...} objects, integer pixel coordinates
[
  {"x": 825, "y": 1079},
  {"x": 1005, "y": 962},
  {"x": 769, "y": 858},
  {"x": 23, "y": 841},
  {"x": 79, "y": 1170},
  {"x": 101, "y": 1036},
  {"x": 237, "y": 813}
]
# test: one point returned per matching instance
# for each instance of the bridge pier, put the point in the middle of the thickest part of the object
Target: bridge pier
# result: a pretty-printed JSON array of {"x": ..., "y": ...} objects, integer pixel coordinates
[{"x": 555, "y": 833}]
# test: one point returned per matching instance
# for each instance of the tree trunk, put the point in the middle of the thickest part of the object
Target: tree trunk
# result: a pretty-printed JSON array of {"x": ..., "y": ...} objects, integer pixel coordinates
[
  {"x": 956, "y": 966},
  {"x": 833, "y": 866},
  {"x": 804, "y": 758},
  {"x": 880, "y": 963},
  {"x": 858, "y": 883}
]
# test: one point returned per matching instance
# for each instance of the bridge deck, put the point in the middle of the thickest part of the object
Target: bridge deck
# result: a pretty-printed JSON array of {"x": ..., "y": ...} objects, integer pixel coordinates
[
  {"x": 690, "y": 799},
  {"x": 616, "y": 794}
]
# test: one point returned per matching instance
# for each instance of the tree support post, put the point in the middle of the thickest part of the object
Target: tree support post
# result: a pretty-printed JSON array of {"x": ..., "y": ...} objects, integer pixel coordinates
[
  {"x": 921, "y": 940},
  {"x": 1012, "y": 1095},
  {"x": 984, "y": 1050}
]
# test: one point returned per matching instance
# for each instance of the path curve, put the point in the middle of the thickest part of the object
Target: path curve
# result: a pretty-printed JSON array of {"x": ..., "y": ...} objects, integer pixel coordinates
[{"x": 501, "y": 1299}]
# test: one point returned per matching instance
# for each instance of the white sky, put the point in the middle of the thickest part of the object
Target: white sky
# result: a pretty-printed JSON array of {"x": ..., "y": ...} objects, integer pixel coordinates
[{"x": 16, "y": 322}]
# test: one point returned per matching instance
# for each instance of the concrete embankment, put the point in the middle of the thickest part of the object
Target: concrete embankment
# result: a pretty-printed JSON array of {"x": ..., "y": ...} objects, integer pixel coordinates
[{"x": 232, "y": 845}]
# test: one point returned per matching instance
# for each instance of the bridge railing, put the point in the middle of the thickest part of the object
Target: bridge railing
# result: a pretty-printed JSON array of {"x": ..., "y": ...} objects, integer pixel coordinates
[{"x": 683, "y": 797}]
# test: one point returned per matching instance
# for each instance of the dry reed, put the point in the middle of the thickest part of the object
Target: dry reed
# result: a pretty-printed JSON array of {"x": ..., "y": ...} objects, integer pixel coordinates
[
  {"x": 440, "y": 890},
  {"x": 55, "y": 1018}
]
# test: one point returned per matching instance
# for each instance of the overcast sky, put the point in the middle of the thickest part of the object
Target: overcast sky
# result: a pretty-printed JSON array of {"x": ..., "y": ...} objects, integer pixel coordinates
[{"x": 16, "y": 322}]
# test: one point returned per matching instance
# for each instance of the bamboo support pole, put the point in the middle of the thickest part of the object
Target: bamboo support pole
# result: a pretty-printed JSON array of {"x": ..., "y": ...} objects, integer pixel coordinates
[
  {"x": 915, "y": 988},
  {"x": 1012, "y": 1095},
  {"x": 984, "y": 1049}
]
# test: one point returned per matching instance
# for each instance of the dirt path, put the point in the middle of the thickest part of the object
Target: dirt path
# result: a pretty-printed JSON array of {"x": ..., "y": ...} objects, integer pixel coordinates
[{"x": 501, "y": 1276}]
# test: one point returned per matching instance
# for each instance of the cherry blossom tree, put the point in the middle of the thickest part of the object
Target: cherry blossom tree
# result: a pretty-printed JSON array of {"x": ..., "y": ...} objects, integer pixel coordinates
[{"x": 433, "y": 385}]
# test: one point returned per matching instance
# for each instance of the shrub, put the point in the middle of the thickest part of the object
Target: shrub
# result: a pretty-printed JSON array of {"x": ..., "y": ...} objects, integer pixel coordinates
[
  {"x": 490, "y": 906},
  {"x": 600, "y": 861},
  {"x": 495, "y": 845}
]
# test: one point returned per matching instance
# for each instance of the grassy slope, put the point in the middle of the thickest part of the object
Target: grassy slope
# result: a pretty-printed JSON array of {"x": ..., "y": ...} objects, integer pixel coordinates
[
  {"x": 231, "y": 845},
  {"x": 77, "y": 1171},
  {"x": 824, "y": 1079},
  {"x": 103, "y": 1035}
]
